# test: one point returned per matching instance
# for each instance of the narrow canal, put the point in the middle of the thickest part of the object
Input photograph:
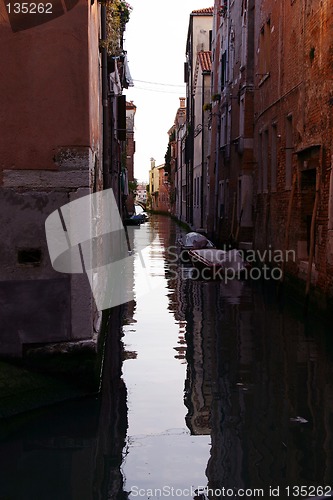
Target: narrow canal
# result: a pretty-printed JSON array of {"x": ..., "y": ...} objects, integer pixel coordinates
[{"x": 222, "y": 393}]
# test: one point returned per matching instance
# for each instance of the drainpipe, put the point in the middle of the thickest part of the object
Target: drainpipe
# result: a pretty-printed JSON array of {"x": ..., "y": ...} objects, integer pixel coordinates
[
  {"x": 216, "y": 193},
  {"x": 105, "y": 103},
  {"x": 203, "y": 150},
  {"x": 218, "y": 128}
]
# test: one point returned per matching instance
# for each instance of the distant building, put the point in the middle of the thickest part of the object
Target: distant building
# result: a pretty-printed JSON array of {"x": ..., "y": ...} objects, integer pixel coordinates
[
  {"x": 159, "y": 192},
  {"x": 199, "y": 39},
  {"x": 141, "y": 193},
  {"x": 176, "y": 135},
  {"x": 153, "y": 185},
  {"x": 163, "y": 199}
]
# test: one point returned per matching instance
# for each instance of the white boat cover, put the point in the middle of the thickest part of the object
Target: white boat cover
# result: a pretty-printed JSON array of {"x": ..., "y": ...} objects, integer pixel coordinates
[
  {"x": 195, "y": 240},
  {"x": 232, "y": 259}
]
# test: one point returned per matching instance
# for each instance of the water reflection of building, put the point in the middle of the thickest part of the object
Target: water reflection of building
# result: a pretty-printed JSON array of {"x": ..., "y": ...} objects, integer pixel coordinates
[
  {"x": 259, "y": 379},
  {"x": 272, "y": 401},
  {"x": 190, "y": 306},
  {"x": 198, "y": 384}
]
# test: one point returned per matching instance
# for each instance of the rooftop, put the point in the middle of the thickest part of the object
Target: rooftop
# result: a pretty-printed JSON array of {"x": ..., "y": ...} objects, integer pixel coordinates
[
  {"x": 205, "y": 60},
  {"x": 207, "y": 10}
]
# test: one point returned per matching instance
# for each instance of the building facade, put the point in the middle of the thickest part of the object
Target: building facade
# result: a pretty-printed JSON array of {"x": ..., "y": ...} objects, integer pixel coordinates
[
  {"x": 141, "y": 193},
  {"x": 198, "y": 40},
  {"x": 293, "y": 132},
  {"x": 178, "y": 172},
  {"x": 129, "y": 151},
  {"x": 230, "y": 217},
  {"x": 269, "y": 162},
  {"x": 201, "y": 124},
  {"x": 55, "y": 96}
]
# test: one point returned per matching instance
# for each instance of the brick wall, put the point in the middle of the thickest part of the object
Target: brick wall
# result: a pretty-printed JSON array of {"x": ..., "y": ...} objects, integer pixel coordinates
[{"x": 298, "y": 88}]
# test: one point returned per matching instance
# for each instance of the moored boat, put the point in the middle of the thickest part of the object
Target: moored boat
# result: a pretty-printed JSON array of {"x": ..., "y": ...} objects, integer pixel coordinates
[
  {"x": 220, "y": 262},
  {"x": 192, "y": 241}
]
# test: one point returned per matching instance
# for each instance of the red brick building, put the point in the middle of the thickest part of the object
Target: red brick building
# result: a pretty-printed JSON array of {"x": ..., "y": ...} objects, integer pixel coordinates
[
  {"x": 293, "y": 132},
  {"x": 163, "y": 201}
]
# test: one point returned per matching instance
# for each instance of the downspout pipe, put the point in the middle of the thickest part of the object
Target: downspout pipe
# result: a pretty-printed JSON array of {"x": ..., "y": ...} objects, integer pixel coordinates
[
  {"x": 203, "y": 149},
  {"x": 105, "y": 102},
  {"x": 218, "y": 131}
]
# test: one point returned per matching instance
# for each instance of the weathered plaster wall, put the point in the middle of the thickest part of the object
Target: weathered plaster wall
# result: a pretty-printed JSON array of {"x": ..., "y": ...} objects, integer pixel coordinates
[{"x": 44, "y": 89}]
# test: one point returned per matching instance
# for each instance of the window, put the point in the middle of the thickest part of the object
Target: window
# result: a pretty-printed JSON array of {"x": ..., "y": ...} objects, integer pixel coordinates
[
  {"x": 195, "y": 191},
  {"x": 223, "y": 131},
  {"x": 265, "y": 162},
  {"x": 260, "y": 163},
  {"x": 241, "y": 117},
  {"x": 273, "y": 157},
  {"x": 226, "y": 199},
  {"x": 199, "y": 191},
  {"x": 289, "y": 150},
  {"x": 183, "y": 194},
  {"x": 239, "y": 199},
  {"x": 229, "y": 126},
  {"x": 223, "y": 70},
  {"x": 221, "y": 199},
  {"x": 244, "y": 39},
  {"x": 265, "y": 49}
]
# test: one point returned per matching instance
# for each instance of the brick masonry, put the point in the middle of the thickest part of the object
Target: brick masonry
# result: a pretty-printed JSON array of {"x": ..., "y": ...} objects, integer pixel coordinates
[{"x": 296, "y": 92}]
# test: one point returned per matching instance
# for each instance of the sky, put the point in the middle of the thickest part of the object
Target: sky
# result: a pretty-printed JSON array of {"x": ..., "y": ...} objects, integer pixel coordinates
[{"x": 155, "y": 41}]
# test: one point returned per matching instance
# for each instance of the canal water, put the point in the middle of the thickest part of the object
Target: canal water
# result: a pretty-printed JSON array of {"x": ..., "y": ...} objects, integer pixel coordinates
[{"x": 222, "y": 393}]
